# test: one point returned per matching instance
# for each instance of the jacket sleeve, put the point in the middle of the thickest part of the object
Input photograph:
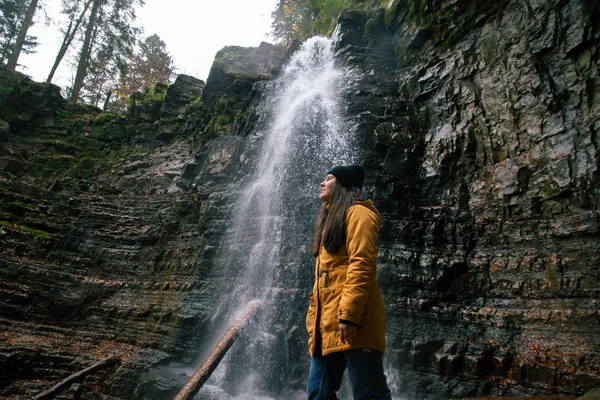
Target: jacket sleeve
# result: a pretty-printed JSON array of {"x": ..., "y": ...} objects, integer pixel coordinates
[{"x": 362, "y": 229}]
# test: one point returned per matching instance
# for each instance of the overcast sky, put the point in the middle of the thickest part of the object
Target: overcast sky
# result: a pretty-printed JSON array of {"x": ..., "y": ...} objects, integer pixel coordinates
[{"x": 193, "y": 30}]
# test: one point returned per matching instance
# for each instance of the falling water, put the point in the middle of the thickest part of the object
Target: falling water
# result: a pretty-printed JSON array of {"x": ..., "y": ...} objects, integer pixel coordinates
[{"x": 265, "y": 255}]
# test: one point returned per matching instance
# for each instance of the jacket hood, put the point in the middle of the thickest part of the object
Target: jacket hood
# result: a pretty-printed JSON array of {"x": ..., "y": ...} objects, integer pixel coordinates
[{"x": 368, "y": 204}]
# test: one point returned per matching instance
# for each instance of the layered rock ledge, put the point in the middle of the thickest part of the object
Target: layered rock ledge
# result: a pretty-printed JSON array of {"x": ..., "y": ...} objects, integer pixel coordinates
[{"x": 478, "y": 125}]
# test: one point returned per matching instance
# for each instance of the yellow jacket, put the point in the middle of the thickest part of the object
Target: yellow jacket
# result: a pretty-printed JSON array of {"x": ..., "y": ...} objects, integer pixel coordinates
[{"x": 346, "y": 288}]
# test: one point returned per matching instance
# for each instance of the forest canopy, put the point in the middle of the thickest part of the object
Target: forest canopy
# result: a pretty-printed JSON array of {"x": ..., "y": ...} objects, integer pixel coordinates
[
  {"x": 107, "y": 55},
  {"x": 297, "y": 20}
]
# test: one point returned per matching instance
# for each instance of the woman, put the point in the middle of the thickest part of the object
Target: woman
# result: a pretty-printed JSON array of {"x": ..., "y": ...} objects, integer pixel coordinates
[{"x": 346, "y": 317}]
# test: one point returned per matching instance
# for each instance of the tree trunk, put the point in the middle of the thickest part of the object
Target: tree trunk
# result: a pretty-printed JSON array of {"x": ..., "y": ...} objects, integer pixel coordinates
[
  {"x": 78, "y": 376},
  {"x": 85, "y": 53},
  {"x": 69, "y": 36},
  {"x": 98, "y": 95},
  {"x": 107, "y": 100},
  {"x": 12, "y": 62},
  {"x": 211, "y": 362}
]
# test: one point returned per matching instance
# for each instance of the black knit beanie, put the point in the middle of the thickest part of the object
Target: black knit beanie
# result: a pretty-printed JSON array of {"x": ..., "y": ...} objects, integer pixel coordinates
[{"x": 349, "y": 176}]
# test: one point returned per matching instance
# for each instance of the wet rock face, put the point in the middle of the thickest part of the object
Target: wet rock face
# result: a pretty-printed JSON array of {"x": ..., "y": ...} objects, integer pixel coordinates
[
  {"x": 484, "y": 152},
  {"x": 23, "y": 101},
  {"x": 231, "y": 91},
  {"x": 105, "y": 225},
  {"x": 478, "y": 127}
]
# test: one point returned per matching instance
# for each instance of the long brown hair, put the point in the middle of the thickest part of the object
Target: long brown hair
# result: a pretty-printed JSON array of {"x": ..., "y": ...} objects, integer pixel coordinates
[{"x": 331, "y": 225}]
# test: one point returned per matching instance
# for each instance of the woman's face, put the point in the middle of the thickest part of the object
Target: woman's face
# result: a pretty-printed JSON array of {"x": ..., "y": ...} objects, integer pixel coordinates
[{"x": 327, "y": 188}]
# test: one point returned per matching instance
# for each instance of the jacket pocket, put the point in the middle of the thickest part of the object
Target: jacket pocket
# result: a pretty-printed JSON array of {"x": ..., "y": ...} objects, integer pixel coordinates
[{"x": 330, "y": 302}]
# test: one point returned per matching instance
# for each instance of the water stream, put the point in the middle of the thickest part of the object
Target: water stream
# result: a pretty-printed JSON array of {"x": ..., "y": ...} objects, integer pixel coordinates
[{"x": 265, "y": 252}]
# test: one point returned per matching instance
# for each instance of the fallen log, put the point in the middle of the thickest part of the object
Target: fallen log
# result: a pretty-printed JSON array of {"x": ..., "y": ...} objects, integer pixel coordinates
[
  {"x": 108, "y": 361},
  {"x": 211, "y": 362}
]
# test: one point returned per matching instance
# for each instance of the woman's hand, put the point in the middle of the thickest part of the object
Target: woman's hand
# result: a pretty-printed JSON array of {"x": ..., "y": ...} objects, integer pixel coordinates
[{"x": 347, "y": 332}]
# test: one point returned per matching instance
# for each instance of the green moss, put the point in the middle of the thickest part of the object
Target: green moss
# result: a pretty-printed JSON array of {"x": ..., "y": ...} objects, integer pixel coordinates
[
  {"x": 16, "y": 208},
  {"x": 149, "y": 95},
  {"x": 82, "y": 146},
  {"x": 182, "y": 224},
  {"x": 115, "y": 134},
  {"x": 104, "y": 118},
  {"x": 51, "y": 164},
  {"x": 124, "y": 152},
  {"x": 81, "y": 137},
  {"x": 449, "y": 24},
  {"x": 231, "y": 53},
  {"x": 74, "y": 118},
  {"x": 167, "y": 120},
  {"x": 34, "y": 232},
  {"x": 451, "y": 37},
  {"x": 223, "y": 119},
  {"x": 196, "y": 102},
  {"x": 6, "y": 89}
]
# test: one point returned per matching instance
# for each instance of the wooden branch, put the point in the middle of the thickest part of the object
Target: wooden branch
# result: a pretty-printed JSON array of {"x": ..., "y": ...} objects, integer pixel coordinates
[
  {"x": 211, "y": 362},
  {"x": 77, "y": 376}
]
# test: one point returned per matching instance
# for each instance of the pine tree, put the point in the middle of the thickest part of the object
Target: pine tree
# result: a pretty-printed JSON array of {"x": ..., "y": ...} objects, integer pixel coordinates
[
  {"x": 12, "y": 15},
  {"x": 151, "y": 64},
  {"x": 84, "y": 55},
  {"x": 76, "y": 19},
  {"x": 108, "y": 41},
  {"x": 22, "y": 36},
  {"x": 291, "y": 20}
]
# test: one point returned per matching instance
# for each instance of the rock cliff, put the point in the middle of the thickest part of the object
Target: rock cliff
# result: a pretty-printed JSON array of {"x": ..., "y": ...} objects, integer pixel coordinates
[
  {"x": 480, "y": 124},
  {"x": 105, "y": 224},
  {"x": 478, "y": 127}
]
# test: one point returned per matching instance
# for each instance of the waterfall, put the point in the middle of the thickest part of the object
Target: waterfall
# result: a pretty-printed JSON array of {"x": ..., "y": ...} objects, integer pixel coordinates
[{"x": 265, "y": 253}]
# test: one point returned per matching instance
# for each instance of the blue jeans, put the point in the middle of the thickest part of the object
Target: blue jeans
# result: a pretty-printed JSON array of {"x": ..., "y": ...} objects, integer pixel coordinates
[{"x": 365, "y": 371}]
